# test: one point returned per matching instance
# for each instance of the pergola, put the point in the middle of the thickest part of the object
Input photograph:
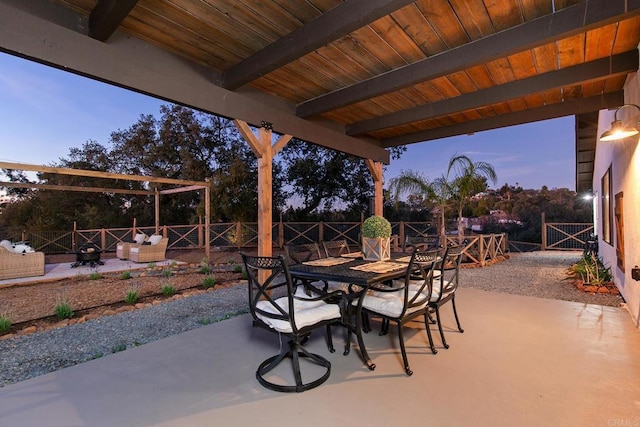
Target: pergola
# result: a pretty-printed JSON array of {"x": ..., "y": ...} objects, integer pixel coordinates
[
  {"x": 184, "y": 186},
  {"x": 357, "y": 76}
]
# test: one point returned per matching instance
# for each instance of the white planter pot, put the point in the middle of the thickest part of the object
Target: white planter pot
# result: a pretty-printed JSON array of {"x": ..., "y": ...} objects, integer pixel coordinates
[{"x": 376, "y": 249}]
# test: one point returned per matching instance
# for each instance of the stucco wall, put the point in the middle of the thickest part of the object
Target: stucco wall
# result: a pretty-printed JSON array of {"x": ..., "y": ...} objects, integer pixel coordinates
[{"x": 624, "y": 158}]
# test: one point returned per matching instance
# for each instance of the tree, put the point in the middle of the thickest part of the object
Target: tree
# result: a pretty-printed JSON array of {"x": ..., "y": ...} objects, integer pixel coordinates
[
  {"x": 322, "y": 179},
  {"x": 469, "y": 179}
]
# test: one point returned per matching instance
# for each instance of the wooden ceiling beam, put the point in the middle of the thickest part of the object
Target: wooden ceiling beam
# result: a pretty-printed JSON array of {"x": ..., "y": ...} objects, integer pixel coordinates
[
  {"x": 616, "y": 65},
  {"x": 564, "y": 23},
  {"x": 551, "y": 111},
  {"x": 330, "y": 26},
  {"x": 107, "y": 16}
]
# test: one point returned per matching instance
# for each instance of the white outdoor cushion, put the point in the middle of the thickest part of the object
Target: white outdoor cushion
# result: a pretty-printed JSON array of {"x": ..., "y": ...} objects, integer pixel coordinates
[
  {"x": 23, "y": 249},
  {"x": 155, "y": 239},
  {"x": 134, "y": 250},
  {"x": 306, "y": 312},
  {"x": 389, "y": 303},
  {"x": 7, "y": 245},
  {"x": 140, "y": 238},
  {"x": 435, "y": 294}
]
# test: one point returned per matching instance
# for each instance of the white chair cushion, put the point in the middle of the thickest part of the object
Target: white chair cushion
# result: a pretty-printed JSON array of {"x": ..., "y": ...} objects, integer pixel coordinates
[
  {"x": 306, "y": 312},
  {"x": 435, "y": 294},
  {"x": 134, "y": 250},
  {"x": 155, "y": 239},
  {"x": 389, "y": 303},
  {"x": 140, "y": 238}
]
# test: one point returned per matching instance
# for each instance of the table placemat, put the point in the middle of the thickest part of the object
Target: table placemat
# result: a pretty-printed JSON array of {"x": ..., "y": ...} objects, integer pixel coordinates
[
  {"x": 405, "y": 259},
  {"x": 380, "y": 266},
  {"x": 327, "y": 262},
  {"x": 352, "y": 255}
]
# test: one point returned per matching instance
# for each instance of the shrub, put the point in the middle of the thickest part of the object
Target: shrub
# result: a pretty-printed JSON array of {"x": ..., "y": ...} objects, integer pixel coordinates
[
  {"x": 119, "y": 347},
  {"x": 167, "y": 272},
  {"x": 205, "y": 269},
  {"x": 132, "y": 294},
  {"x": 376, "y": 227},
  {"x": 125, "y": 275},
  {"x": 590, "y": 270},
  {"x": 63, "y": 310},
  {"x": 95, "y": 275},
  {"x": 209, "y": 282},
  {"x": 151, "y": 265},
  {"x": 5, "y": 322},
  {"x": 237, "y": 269},
  {"x": 168, "y": 290}
]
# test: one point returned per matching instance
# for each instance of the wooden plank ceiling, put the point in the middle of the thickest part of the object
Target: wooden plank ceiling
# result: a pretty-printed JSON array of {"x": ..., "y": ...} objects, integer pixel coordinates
[{"x": 396, "y": 71}]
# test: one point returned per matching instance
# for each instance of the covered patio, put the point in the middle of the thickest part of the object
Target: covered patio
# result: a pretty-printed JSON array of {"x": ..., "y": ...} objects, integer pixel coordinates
[{"x": 521, "y": 361}]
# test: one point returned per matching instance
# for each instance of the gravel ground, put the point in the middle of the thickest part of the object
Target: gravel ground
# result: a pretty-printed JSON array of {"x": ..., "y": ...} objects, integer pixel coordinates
[{"x": 538, "y": 274}]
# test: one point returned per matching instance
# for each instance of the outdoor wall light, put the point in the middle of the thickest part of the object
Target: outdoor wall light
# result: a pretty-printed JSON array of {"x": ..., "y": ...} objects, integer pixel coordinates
[{"x": 618, "y": 129}]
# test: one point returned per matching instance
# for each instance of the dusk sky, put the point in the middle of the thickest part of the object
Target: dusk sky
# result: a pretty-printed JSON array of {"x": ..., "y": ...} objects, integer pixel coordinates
[{"x": 44, "y": 112}]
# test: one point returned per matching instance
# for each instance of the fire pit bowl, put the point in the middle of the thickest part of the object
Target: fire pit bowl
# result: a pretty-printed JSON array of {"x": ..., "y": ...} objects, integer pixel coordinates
[{"x": 88, "y": 253}]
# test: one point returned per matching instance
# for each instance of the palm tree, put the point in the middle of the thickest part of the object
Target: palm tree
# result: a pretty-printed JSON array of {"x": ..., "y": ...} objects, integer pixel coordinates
[
  {"x": 469, "y": 179},
  {"x": 463, "y": 179},
  {"x": 414, "y": 183}
]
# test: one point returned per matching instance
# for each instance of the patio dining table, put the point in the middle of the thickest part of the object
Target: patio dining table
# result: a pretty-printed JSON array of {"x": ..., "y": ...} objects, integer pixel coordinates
[{"x": 354, "y": 272}]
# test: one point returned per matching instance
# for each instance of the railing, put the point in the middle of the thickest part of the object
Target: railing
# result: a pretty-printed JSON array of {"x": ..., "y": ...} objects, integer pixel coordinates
[{"x": 565, "y": 236}]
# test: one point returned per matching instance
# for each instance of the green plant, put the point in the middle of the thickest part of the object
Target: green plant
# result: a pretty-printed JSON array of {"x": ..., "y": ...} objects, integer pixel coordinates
[
  {"x": 590, "y": 270},
  {"x": 168, "y": 290},
  {"x": 5, "y": 322},
  {"x": 205, "y": 321},
  {"x": 245, "y": 275},
  {"x": 205, "y": 269},
  {"x": 132, "y": 294},
  {"x": 151, "y": 265},
  {"x": 237, "y": 269},
  {"x": 167, "y": 272},
  {"x": 209, "y": 282},
  {"x": 97, "y": 355},
  {"x": 95, "y": 275},
  {"x": 63, "y": 309},
  {"x": 119, "y": 347},
  {"x": 125, "y": 275},
  {"x": 376, "y": 227}
]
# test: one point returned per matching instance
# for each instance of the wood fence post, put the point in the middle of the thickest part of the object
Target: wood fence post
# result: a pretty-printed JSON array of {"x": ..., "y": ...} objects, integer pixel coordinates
[
  {"x": 280, "y": 233},
  {"x": 73, "y": 236},
  {"x": 544, "y": 233},
  {"x": 481, "y": 249},
  {"x": 103, "y": 239},
  {"x": 239, "y": 234},
  {"x": 401, "y": 233},
  {"x": 320, "y": 232}
]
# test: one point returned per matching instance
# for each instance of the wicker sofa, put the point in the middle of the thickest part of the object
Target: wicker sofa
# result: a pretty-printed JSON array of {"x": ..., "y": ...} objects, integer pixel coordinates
[
  {"x": 13, "y": 265},
  {"x": 149, "y": 253}
]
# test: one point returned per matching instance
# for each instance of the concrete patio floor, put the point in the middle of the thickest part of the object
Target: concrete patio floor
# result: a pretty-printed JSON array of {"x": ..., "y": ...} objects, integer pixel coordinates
[{"x": 521, "y": 361}]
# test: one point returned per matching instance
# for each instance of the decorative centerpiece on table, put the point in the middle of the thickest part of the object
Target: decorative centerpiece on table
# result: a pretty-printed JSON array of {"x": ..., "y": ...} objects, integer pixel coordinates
[{"x": 376, "y": 239}]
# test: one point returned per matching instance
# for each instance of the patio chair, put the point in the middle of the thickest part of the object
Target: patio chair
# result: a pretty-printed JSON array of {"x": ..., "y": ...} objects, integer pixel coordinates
[
  {"x": 297, "y": 254},
  {"x": 15, "y": 265},
  {"x": 335, "y": 248},
  {"x": 405, "y": 299},
  {"x": 445, "y": 285},
  {"x": 424, "y": 243},
  {"x": 152, "y": 252},
  {"x": 270, "y": 302},
  {"x": 122, "y": 249}
]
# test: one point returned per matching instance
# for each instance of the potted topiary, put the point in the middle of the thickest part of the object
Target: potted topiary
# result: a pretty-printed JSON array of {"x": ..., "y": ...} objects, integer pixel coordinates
[{"x": 376, "y": 242}]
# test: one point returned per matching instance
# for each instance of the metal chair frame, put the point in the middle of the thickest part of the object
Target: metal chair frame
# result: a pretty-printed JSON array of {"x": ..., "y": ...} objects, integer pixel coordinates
[{"x": 268, "y": 289}]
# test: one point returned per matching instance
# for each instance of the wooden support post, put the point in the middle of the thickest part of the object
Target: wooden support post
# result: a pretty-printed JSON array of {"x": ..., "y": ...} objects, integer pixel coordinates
[
  {"x": 207, "y": 220},
  {"x": 264, "y": 151},
  {"x": 157, "y": 211},
  {"x": 376, "y": 172},
  {"x": 544, "y": 233}
]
